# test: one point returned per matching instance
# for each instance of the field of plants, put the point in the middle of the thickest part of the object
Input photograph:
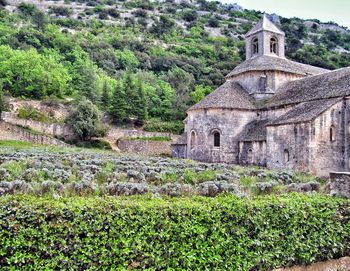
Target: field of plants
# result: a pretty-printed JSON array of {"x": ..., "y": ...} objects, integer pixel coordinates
[
  {"x": 78, "y": 209},
  {"x": 67, "y": 172}
]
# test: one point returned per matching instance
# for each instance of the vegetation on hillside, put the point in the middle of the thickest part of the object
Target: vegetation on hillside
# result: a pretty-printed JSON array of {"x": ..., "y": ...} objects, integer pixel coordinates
[{"x": 143, "y": 62}]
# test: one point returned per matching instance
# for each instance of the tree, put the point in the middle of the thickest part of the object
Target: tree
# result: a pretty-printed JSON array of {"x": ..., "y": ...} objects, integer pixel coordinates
[
  {"x": 86, "y": 82},
  {"x": 86, "y": 122},
  {"x": 200, "y": 92},
  {"x": 118, "y": 105},
  {"x": 33, "y": 75},
  {"x": 2, "y": 102},
  {"x": 140, "y": 104},
  {"x": 105, "y": 95},
  {"x": 40, "y": 19}
]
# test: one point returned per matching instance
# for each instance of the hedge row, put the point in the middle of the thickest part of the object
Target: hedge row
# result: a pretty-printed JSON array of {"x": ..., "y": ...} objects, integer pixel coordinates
[{"x": 224, "y": 233}]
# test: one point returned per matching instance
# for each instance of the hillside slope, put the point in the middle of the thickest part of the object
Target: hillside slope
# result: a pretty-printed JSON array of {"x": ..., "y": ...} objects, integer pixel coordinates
[{"x": 151, "y": 59}]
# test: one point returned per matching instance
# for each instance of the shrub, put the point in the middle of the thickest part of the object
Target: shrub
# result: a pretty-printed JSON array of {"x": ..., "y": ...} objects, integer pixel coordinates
[
  {"x": 150, "y": 138},
  {"x": 154, "y": 125},
  {"x": 86, "y": 122},
  {"x": 224, "y": 233}
]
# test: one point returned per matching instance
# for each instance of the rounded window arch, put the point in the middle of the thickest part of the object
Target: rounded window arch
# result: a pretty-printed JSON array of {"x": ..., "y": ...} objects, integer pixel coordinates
[
  {"x": 286, "y": 156},
  {"x": 332, "y": 133},
  {"x": 193, "y": 139},
  {"x": 217, "y": 139},
  {"x": 255, "y": 46},
  {"x": 274, "y": 45}
]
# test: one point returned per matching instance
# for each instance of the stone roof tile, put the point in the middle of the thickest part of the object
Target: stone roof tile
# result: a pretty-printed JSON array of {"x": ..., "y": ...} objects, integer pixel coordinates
[
  {"x": 323, "y": 86},
  {"x": 229, "y": 95},
  {"x": 275, "y": 63},
  {"x": 305, "y": 112},
  {"x": 264, "y": 25}
]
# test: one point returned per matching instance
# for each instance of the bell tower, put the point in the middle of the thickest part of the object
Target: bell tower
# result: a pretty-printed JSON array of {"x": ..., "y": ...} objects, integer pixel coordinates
[{"x": 265, "y": 38}]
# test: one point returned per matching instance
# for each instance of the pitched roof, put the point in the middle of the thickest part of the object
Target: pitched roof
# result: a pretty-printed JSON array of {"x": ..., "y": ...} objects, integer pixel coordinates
[
  {"x": 323, "y": 86},
  {"x": 264, "y": 25},
  {"x": 274, "y": 63},
  {"x": 254, "y": 131},
  {"x": 304, "y": 112},
  {"x": 229, "y": 95}
]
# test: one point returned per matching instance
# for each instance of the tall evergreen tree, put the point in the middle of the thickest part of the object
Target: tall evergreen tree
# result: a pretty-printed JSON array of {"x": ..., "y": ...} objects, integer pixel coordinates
[
  {"x": 105, "y": 99},
  {"x": 140, "y": 103},
  {"x": 118, "y": 106},
  {"x": 2, "y": 102}
]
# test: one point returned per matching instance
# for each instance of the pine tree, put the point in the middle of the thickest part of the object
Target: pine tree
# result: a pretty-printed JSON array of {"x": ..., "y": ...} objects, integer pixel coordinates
[
  {"x": 105, "y": 95},
  {"x": 118, "y": 106}
]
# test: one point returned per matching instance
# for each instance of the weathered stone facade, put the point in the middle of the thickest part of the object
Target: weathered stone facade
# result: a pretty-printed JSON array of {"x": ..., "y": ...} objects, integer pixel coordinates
[{"x": 273, "y": 112}]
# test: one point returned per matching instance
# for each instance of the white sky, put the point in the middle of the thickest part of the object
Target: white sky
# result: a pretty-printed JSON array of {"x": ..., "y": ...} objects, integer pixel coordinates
[{"x": 325, "y": 10}]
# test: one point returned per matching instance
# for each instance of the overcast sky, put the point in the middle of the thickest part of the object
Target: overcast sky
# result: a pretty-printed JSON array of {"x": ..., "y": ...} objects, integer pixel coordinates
[{"x": 325, "y": 10}]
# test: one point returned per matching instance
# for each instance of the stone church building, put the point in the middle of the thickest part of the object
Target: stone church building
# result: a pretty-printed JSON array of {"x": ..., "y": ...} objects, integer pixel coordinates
[{"x": 273, "y": 112}]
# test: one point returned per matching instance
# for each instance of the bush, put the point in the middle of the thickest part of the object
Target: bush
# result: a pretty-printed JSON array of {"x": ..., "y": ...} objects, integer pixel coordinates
[
  {"x": 86, "y": 122},
  {"x": 154, "y": 125},
  {"x": 224, "y": 233}
]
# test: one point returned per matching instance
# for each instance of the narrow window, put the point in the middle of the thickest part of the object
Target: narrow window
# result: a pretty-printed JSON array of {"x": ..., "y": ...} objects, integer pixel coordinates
[
  {"x": 286, "y": 156},
  {"x": 193, "y": 139},
  {"x": 332, "y": 133},
  {"x": 273, "y": 45},
  {"x": 255, "y": 46},
  {"x": 216, "y": 139}
]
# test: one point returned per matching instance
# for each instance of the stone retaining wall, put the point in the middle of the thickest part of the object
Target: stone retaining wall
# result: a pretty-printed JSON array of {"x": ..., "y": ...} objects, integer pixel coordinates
[
  {"x": 342, "y": 264},
  {"x": 12, "y": 132},
  {"x": 340, "y": 184},
  {"x": 46, "y": 128},
  {"x": 145, "y": 147}
]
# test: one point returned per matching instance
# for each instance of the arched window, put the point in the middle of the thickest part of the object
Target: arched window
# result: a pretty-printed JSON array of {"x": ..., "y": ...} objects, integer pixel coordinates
[
  {"x": 255, "y": 46},
  {"x": 193, "y": 139},
  {"x": 216, "y": 139},
  {"x": 273, "y": 45},
  {"x": 286, "y": 156},
  {"x": 332, "y": 133}
]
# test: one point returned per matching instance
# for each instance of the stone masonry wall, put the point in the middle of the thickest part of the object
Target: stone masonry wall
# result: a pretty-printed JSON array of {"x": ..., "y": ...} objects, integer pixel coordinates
[
  {"x": 12, "y": 132},
  {"x": 46, "y": 128},
  {"x": 203, "y": 123},
  {"x": 340, "y": 183},
  {"x": 288, "y": 147},
  {"x": 145, "y": 147},
  {"x": 309, "y": 145}
]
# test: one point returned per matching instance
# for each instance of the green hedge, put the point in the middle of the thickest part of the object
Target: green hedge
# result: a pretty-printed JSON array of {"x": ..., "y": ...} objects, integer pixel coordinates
[{"x": 224, "y": 233}]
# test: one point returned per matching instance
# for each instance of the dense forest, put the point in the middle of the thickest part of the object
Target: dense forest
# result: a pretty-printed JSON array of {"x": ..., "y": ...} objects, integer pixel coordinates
[{"x": 143, "y": 62}]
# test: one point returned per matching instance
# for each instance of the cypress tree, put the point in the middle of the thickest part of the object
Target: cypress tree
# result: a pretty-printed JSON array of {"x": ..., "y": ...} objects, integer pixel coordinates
[
  {"x": 140, "y": 103},
  {"x": 105, "y": 95},
  {"x": 2, "y": 103},
  {"x": 118, "y": 105}
]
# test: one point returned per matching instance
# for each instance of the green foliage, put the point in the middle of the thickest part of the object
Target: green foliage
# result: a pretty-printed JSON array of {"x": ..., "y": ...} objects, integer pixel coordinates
[
  {"x": 200, "y": 92},
  {"x": 171, "y": 51},
  {"x": 224, "y": 233},
  {"x": 151, "y": 138},
  {"x": 118, "y": 105},
  {"x": 105, "y": 99},
  {"x": 86, "y": 122},
  {"x": 30, "y": 74},
  {"x": 2, "y": 101},
  {"x": 155, "y": 125},
  {"x": 29, "y": 112}
]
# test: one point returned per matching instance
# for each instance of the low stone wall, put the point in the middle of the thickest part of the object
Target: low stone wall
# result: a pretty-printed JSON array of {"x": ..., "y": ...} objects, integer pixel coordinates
[
  {"x": 342, "y": 264},
  {"x": 46, "y": 128},
  {"x": 340, "y": 184},
  {"x": 116, "y": 133},
  {"x": 145, "y": 147},
  {"x": 12, "y": 132}
]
